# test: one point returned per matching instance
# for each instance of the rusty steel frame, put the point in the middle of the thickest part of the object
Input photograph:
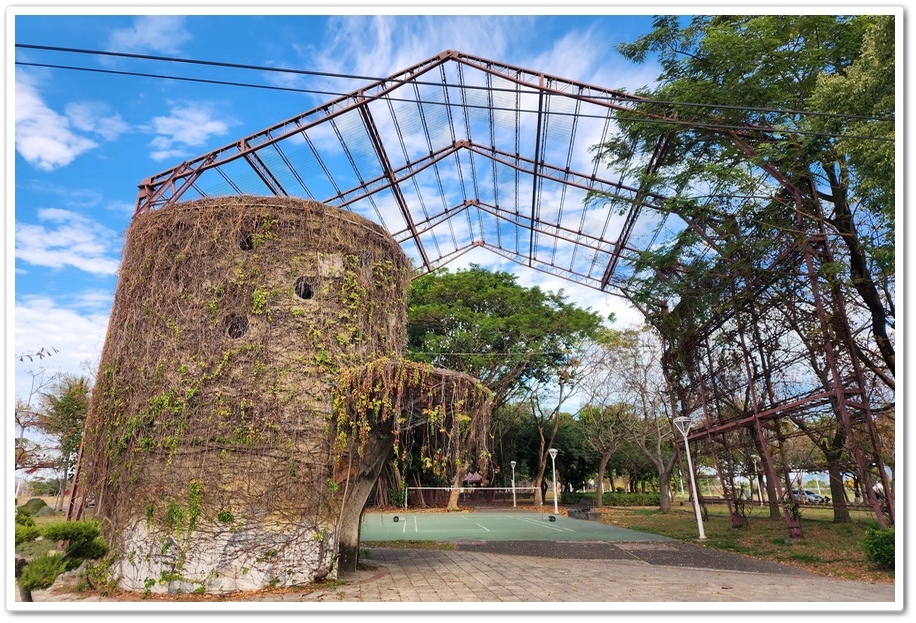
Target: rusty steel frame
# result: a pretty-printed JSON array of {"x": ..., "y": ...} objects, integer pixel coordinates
[{"x": 609, "y": 251}]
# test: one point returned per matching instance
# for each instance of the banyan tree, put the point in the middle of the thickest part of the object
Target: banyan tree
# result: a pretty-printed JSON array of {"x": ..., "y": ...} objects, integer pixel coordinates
[{"x": 251, "y": 389}]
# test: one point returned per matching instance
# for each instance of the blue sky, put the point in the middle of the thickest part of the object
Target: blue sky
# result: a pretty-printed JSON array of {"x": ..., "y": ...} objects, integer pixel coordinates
[{"x": 84, "y": 140}]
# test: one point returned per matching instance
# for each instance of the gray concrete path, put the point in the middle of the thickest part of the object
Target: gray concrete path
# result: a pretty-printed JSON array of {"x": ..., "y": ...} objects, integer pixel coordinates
[
  {"x": 400, "y": 577},
  {"x": 512, "y": 560},
  {"x": 435, "y": 576}
]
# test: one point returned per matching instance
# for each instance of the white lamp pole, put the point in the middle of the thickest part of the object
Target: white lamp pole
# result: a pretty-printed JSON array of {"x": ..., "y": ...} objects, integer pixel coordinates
[
  {"x": 553, "y": 467},
  {"x": 512, "y": 463},
  {"x": 757, "y": 479},
  {"x": 683, "y": 425}
]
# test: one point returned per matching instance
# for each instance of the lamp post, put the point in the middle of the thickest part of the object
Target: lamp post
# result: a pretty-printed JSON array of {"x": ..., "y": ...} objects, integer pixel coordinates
[
  {"x": 683, "y": 425},
  {"x": 754, "y": 457},
  {"x": 553, "y": 467},
  {"x": 512, "y": 463}
]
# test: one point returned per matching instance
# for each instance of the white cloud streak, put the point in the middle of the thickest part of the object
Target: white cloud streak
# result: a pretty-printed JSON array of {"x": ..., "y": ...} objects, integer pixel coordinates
[
  {"x": 187, "y": 125},
  {"x": 44, "y": 137},
  {"x": 49, "y": 140},
  {"x": 63, "y": 239},
  {"x": 151, "y": 33},
  {"x": 76, "y": 331}
]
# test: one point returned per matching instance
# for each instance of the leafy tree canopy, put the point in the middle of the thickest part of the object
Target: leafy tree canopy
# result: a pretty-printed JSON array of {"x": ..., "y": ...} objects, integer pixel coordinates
[{"x": 487, "y": 325}]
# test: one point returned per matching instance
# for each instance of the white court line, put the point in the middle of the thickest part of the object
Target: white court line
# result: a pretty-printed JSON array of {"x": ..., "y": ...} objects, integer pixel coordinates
[
  {"x": 484, "y": 527},
  {"x": 541, "y": 524},
  {"x": 407, "y": 522}
]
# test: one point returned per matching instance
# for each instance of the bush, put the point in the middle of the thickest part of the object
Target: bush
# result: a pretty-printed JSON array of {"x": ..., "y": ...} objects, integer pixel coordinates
[
  {"x": 24, "y": 517},
  {"x": 878, "y": 546},
  {"x": 35, "y": 506},
  {"x": 24, "y": 534},
  {"x": 41, "y": 572},
  {"x": 83, "y": 543},
  {"x": 73, "y": 531},
  {"x": 632, "y": 499}
]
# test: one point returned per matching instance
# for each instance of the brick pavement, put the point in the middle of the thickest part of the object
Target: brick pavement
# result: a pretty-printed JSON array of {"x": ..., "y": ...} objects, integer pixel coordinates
[{"x": 398, "y": 577}]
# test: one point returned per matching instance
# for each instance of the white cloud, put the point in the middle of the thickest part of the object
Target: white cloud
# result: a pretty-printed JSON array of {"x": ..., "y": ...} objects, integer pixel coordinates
[
  {"x": 67, "y": 239},
  {"x": 44, "y": 137},
  {"x": 76, "y": 331},
  {"x": 93, "y": 117},
  {"x": 50, "y": 140},
  {"x": 187, "y": 125},
  {"x": 157, "y": 33}
]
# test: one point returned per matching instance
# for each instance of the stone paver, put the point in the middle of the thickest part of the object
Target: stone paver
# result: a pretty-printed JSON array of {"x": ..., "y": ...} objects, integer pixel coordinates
[{"x": 417, "y": 576}]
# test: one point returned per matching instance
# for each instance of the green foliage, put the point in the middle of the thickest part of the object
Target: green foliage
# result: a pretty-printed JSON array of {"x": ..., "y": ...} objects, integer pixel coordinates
[
  {"x": 24, "y": 516},
  {"x": 485, "y": 324},
  {"x": 42, "y": 571},
  {"x": 63, "y": 413},
  {"x": 45, "y": 486},
  {"x": 396, "y": 496},
  {"x": 879, "y": 547},
  {"x": 195, "y": 499},
  {"x": 34, "y": 506},
  {"x": 73, "y": 531},
  {"x": 26, "y": 533},
  {"x": 174, "y": 515},
  {"x": 631, "y": 499}
]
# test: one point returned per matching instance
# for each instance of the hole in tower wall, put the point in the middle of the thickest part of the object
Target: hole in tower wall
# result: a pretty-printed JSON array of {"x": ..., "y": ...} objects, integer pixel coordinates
[
  {"x": 235, "y": 325},
  {"x": 304, "y": 289}
]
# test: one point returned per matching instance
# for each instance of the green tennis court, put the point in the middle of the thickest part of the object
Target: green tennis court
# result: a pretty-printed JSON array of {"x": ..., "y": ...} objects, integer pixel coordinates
[{"x": 492, "y": 526}]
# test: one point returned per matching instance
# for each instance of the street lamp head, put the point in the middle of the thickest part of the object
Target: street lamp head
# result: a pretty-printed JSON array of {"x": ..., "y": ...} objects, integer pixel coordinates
[
  {"x": 683, "y": 424},
  {"x": 512, "y": 463},
  {"x": 553, "y": 453}
]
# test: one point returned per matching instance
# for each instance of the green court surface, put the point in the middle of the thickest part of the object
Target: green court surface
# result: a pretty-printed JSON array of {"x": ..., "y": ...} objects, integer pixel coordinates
[{"x": 492, "y": 526}]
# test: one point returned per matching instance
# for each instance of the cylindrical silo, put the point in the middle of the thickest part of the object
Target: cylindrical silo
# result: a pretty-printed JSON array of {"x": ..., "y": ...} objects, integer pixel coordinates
[{"x": 208, "y": 447}]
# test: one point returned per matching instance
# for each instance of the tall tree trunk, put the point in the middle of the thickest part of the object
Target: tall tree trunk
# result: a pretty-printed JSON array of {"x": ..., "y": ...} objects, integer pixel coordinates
[
  {"x": 837, "y": 491},
  {"x": 455, "y": 494},
  {"x": 599, "y": 482}
]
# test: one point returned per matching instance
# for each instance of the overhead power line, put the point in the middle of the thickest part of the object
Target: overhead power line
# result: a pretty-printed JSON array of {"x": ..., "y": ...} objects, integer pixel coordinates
[
  {"x": 306, "y": 72},
  {"x": 232, "y": 83}
]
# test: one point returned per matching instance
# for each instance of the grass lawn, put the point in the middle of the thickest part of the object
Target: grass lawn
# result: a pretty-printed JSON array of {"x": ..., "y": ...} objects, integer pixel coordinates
[{"x": 826, "y": 548}]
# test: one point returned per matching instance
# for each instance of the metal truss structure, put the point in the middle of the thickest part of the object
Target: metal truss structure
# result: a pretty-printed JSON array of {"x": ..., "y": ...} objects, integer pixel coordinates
[{"x": 459, "y": 152}]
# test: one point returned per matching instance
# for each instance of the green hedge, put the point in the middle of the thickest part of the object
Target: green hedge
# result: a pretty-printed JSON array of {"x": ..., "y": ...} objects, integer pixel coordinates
[
  {"x": 632, "y": 499},
  {"x": 878, "y": 546},
  {"x": 613, "y": 499}
]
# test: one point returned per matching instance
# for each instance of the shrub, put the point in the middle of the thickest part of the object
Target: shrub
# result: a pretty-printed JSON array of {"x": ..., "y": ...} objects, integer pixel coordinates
[
  {"x": 73, "y": 531},
  {"x": 878, "y": 546},
  {"x": 83, "y": 543},
  {"x": 24, "y": 517},
  {"x": 632, "y": 499},
  {"x": 25, "y": 534},
  {"x": 35, "y": 506},
  {"x": 41, "y": 572}
]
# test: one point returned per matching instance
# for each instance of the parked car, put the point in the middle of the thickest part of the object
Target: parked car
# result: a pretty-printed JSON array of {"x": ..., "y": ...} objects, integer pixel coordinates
[{"x": 809, "y": 497}]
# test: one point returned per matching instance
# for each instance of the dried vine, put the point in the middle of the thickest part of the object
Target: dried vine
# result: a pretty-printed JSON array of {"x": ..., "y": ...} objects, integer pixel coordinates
[
  {"x": 231, "y": 321},
  {"x": 451, "y": 409}
]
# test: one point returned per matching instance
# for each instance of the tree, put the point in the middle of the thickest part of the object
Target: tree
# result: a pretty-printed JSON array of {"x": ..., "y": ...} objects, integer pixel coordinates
[
  {"x": 486, "y": 325},
  {"x": 605, "y": 421},
  {"x": 61, "y": 418},
  {"x": 29, "y": 453},
  {"x": 818, "y": 114},
  {"x": 643, "y": 386},
  {"x": 604, "y": 427},
  {"x": 772, "y": 133},
  {"x": 519, "y": 342},
  {"x": 546, "y": 411}
]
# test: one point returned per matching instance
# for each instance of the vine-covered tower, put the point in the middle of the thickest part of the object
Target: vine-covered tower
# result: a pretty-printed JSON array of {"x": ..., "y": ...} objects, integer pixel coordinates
[{"x": 211, "y": 450}]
